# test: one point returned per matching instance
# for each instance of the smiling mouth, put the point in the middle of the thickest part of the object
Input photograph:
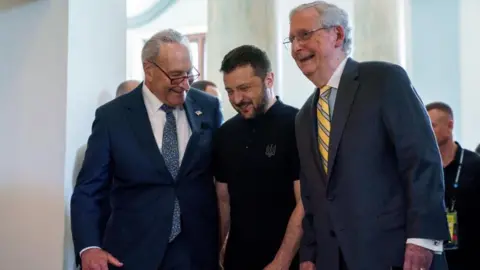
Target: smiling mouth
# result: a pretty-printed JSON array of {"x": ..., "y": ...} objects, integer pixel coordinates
[
  {"x": 178, "y": 91},
  {"x": 244, "y": 108},
  {"x": 306, "y": 58}
]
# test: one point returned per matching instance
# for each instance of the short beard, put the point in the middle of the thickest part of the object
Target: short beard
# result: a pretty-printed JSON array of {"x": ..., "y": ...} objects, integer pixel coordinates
[{"x": 262, "y": 105}]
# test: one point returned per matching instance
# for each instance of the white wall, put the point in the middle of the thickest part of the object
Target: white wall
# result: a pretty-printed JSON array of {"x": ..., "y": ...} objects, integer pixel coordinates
[
  {"x": 469, "y": 78},
  {"x": 57, "y": 68},
  {"x": 33, "y": 80},
  {"x": 96, "y": 65}
]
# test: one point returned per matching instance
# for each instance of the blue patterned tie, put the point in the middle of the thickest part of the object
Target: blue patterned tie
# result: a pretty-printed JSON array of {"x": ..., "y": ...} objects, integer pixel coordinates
[{"x": 172, "y": 160}]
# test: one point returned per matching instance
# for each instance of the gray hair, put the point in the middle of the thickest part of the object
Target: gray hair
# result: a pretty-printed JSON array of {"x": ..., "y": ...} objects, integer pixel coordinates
[
  {"x": 330, "y": 16},
  {"x": 151, "y": 49}
]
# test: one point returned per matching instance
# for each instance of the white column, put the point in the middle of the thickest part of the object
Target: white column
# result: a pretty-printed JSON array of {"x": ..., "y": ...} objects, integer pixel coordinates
[
  {"x": 469, "y": 57},
  {"x": 379, "y": 31},
  {"x": 238, "y": 22},
  {"x": 62, "y": 59}
]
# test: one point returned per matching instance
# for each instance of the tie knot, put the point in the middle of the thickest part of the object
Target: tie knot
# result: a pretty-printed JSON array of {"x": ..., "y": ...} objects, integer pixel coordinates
[
  {"x": 166, "y": 108},
  {"x": 324, "y": 89}
]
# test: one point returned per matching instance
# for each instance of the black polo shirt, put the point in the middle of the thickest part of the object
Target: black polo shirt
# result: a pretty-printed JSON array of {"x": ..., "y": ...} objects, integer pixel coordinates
[
  {"x": 467, "y": 203},
  {"x": 258, "y": 159}
]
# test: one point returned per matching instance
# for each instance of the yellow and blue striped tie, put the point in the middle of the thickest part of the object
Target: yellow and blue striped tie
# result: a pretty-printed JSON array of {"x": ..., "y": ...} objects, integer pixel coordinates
[{"x": 323, "y": 124}]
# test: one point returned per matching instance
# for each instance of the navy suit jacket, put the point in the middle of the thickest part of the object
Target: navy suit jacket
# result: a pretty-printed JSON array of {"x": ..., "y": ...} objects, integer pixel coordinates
[
  {"x": 385, "y": 179},
  {"x": 123, "y": 165}
]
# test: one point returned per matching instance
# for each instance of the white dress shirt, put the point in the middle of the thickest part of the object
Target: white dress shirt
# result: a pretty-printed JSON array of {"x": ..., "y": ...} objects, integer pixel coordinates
[
  {"x": 157, "y": 118},
  {"x": 334, "y": 82}
]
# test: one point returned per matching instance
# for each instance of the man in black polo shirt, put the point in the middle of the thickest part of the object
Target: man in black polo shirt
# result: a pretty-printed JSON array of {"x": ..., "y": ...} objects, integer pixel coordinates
[
  {"x": 461, "y": 168},
  {"x": 257, "y": 168}
]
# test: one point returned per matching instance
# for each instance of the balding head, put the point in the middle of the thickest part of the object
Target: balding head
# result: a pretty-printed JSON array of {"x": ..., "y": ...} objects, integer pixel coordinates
[
  {"x": 126, "y": 87},
  {"x": 206, "y": 86}
]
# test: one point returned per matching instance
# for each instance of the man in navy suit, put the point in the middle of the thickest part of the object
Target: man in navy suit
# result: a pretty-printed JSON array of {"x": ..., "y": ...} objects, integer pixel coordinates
[
  {"x": 371, "y": 174},
  {"x": 155, "y": 143}
]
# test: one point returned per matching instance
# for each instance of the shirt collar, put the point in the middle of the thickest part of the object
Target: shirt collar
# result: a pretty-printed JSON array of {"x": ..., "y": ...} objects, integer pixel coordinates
[
  {"x": 275, "y": 106},
  {"x": 458, "y": 153},
  {"x": 152, "y": 103},
  {"x": 334, "y": 81}
]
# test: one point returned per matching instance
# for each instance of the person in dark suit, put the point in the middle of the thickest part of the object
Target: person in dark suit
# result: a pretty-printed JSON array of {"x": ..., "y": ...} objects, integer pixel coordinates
[
  {"x": 122, "y": 89},
  {"x": 155, "y": 143},
  {"x": 371, "y": 174}
]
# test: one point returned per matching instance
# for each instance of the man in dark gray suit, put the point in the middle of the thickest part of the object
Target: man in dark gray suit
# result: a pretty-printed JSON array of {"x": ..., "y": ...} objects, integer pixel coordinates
[{"x": 372, "y": 182}]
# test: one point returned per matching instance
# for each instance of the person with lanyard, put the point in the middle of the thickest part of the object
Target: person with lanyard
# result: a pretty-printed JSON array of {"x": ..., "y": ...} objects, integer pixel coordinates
[
  {"x": 256, "y": 167},
  {"x": 462, "y": 190}
]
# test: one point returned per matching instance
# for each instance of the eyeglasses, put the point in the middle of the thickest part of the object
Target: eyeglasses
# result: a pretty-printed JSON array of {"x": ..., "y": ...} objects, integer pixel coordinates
[
  {"x": 301, "y": 36},
  {"x": 193, "y": 74}
]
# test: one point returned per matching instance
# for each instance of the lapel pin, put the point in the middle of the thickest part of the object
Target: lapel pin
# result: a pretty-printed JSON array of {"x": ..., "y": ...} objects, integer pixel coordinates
[{"x": 198, "y": 113}]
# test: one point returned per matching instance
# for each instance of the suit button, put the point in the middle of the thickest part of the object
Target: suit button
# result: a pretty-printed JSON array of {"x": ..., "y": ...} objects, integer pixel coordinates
[
  {"x": 332, "y": 234},
  {"x": 331, "y": 197}
]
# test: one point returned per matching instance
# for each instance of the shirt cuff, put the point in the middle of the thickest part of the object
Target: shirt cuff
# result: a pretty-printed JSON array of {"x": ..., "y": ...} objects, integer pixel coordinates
[
  {"x": 434, "y": 245},
  {"x": 87, "y": 248}
]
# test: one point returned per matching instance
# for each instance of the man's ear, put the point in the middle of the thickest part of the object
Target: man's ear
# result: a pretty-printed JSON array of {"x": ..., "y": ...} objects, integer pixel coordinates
[
  {"x": 340, "y": 36},
  {"x": 269, "y": 80},
  {"x": 148, "y": 70},
  {"x": 450, "y": 124}
]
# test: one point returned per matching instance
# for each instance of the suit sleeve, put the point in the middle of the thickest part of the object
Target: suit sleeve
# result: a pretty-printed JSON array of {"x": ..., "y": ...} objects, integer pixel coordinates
[
  {"x": 308, "y": 243},
  {"x": 419, "y": 161},
  {"x": 294, "y": 159},
  {"x": 218, "y": 114},
  {"x": 92, "y": 188},
  {"x": 218, "y": 167}
]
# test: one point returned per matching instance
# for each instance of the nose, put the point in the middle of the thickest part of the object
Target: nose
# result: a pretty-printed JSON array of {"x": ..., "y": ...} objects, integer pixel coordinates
[
  {"x": 185, "y": 84},
  {"x": 236, "y": 97},
  {"x": 295, "y": 46}
]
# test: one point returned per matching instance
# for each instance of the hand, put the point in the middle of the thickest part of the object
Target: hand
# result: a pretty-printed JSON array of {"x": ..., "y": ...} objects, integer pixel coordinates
[
  {"x": 307, "y": 266},
  {"x": 417, "y": 258},
  {"x": 98, "y": 259},
  {"x": 277, "y": 265}
]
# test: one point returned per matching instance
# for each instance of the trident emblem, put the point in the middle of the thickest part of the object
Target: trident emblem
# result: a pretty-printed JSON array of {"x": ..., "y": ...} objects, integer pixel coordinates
[{"x": 270, "y": 150}]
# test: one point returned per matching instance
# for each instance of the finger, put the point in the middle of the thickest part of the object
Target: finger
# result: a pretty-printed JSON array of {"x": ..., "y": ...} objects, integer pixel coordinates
[
  {"x": 407, "y": 263},
  {"x": 112, "y": 260},
  {"x": 423, "y": 262},
  {"x": 417, "y": 262}
]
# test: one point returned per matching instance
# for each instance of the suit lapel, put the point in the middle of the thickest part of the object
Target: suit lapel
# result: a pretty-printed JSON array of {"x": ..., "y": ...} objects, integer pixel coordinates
[
  {"x": 312, "y": 124},
  {"x": 195, "y": 117},
  {"x": 194, "y": 114},
  {"x": 343, "y": 102},
  {"x": 141, "y": 126}
]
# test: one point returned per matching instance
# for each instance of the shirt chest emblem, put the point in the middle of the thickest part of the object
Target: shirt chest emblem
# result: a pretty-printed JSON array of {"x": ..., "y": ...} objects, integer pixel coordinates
[{"x": 270, "y": 150}]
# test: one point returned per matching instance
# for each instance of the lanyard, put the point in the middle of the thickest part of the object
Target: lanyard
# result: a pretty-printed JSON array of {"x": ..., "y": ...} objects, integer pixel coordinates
[{"x": 455, "y": 183}]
